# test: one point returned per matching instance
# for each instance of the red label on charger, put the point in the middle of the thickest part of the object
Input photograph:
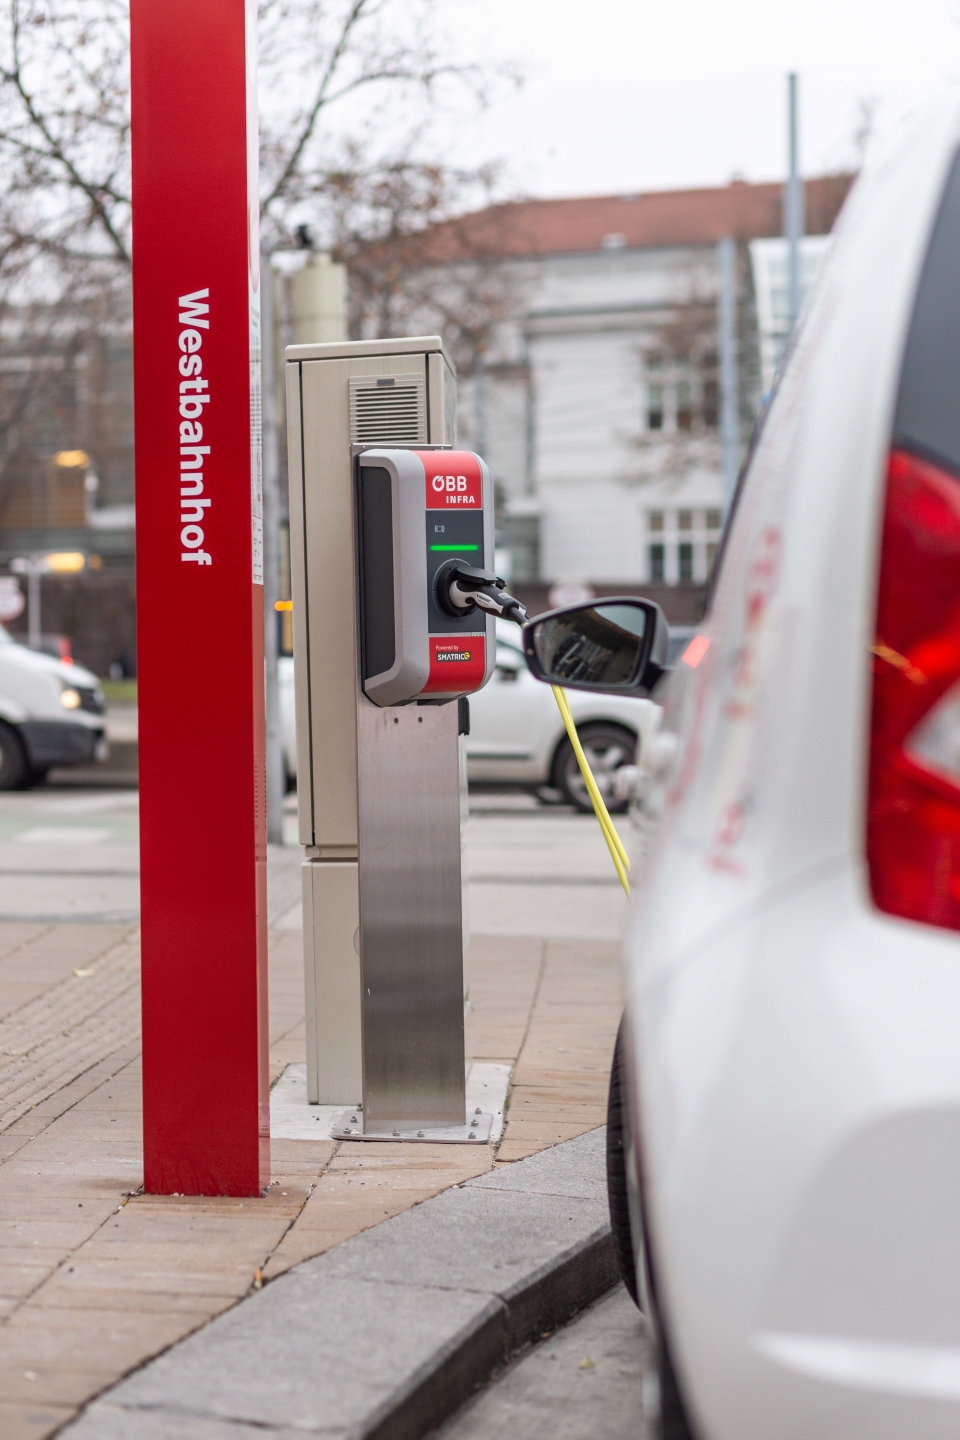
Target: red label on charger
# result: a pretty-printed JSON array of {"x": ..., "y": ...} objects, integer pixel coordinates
[
  {"x": 457, "y": 664},
  {"x": 454, "y": 481}
]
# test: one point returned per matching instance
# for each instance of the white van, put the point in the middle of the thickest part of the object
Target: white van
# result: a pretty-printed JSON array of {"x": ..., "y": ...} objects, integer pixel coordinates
[{"x": 51, "y": 713}]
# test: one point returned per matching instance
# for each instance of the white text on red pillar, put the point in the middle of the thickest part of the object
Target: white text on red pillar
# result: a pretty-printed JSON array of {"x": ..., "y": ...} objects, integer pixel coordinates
[{"x": 194, "y": 394}]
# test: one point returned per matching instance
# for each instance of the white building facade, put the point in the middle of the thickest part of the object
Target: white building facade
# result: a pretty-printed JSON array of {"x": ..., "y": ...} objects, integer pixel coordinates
[{"x": 597, "y": 404}]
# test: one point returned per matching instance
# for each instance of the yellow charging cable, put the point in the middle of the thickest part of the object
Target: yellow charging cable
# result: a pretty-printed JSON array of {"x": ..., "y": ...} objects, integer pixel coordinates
[{"x": 618, "y": 854}]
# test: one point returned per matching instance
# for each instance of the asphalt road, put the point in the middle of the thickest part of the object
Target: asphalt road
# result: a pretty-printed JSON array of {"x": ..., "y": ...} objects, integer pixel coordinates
[{"x": 585, "y": 1382}]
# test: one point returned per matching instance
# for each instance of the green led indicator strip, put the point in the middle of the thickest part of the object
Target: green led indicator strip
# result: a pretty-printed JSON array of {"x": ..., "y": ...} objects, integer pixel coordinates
[{"x": 454, "y": 547}]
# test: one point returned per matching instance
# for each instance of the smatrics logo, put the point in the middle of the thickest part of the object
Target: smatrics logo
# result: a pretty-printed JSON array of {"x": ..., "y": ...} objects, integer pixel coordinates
[{"x": 454, "y": 654}]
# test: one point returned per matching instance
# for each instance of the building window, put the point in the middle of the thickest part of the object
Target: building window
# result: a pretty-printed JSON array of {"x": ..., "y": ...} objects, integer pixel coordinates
[
  {"x": 654, "y": 407},
  {"x": 655, "y": 520},
  {"x": 711, "y": 404},
  {"x": 685, "y": 558},
  {"x": 684, "y": 519},
  {"x": 712, "y": 549},
  {"x": 684, "y": 405},
  {"x": 657, "y": 562},
  {"x": 709, "y": 390},
  {"x": 713, "y": 519}
]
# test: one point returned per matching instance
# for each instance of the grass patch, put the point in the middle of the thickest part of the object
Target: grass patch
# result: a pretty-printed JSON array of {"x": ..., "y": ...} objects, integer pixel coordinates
[{"x": 120, "y": 692}]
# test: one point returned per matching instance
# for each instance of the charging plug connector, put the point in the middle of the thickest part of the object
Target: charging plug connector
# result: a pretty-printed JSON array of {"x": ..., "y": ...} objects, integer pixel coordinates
[{"x": 462, "y": 588}]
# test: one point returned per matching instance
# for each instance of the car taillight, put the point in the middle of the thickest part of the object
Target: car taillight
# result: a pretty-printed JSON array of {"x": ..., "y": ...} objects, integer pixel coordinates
[{"x": 913, "y": 805}]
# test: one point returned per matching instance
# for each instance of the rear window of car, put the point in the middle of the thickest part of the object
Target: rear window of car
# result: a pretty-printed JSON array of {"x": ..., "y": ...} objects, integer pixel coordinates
[{"x": 927, "y": 415}]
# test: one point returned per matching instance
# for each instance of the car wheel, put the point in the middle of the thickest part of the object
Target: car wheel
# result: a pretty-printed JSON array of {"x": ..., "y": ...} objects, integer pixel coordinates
[
  {"x": 14, "y": 771},
  {"x": 617, "y": 1197},
  {"x": 606, "y": 747}
]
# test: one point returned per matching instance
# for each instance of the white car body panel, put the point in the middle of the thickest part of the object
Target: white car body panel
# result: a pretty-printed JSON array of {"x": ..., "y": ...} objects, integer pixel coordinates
[
  {"x": 794, "y": 1054},
  {"x": 10, "y": 708}
]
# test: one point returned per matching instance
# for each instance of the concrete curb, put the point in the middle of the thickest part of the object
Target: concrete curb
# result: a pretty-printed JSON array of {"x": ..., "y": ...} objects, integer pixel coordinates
[{"x": 386, "y": 1335}]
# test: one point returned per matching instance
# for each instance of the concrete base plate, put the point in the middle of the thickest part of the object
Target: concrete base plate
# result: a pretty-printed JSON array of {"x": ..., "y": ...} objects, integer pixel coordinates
[
  {"x": 291, "y": 1118},
  {"x": 475, "y": 1132}
]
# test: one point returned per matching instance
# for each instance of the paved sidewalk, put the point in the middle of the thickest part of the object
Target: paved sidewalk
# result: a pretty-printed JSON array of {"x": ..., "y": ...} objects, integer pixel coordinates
[{"x": 94, "y": 1277}]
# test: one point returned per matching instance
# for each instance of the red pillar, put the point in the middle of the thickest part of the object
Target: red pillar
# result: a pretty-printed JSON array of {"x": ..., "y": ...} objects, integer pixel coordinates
[{"x": 199, "y": 597}]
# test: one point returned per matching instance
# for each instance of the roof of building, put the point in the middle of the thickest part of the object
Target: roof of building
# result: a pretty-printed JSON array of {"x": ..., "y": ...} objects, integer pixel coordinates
[{"x": 528, "y": 228}]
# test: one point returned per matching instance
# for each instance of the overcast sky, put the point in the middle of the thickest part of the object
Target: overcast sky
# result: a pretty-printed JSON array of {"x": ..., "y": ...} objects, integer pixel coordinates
[{"x": 628, "y": 95}]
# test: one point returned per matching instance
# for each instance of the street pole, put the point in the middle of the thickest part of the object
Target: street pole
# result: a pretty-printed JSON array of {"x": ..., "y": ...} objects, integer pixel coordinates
[
  {"x": 33, "y": 605},
  {"x": 33, "y": 566},
  {"x": 729, "y": 398},
  {"x": 271, "y": 554},
  {"x": 794, "y": 206},
  {"x": 480, "y": 392}
]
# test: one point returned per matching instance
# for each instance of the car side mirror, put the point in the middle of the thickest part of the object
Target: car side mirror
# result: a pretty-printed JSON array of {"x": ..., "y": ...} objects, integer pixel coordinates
[{"x": 616, "y": 646}]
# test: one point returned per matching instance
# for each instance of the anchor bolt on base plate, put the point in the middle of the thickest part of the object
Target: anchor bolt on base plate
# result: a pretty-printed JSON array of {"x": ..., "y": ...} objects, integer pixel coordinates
[{"x": 475, "y": 1132}]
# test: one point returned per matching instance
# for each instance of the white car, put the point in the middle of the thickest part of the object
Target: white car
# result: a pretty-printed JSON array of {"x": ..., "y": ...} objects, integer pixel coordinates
[
  {"x": 792, "y": 1034},
  {"x": 516, "y": 733},
  {"x": 51, "y": 713}
]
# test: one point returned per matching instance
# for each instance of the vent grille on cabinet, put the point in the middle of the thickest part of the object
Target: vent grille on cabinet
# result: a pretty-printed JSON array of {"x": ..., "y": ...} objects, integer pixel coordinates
[{"x": 388, "y": 410}]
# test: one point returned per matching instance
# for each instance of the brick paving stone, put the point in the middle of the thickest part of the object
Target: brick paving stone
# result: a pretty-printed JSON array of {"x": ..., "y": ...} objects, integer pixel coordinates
[
  {"x": 18, "y": 1280},
  {"x": 49, "y": 1386},
  {"x": 17, "y": 933},
  {"x": 50, "y": 955},
  {"x": 80, "y": 1019},
  {"x": 539, "y": 1135},
  {"x": 31, "y": 1421},
  {"x": 66, "y": 1340},
  {"x": 153, "y": 1275},
  {"x": 60, "y": 1292},
  {"x": 53, "y": 1207},
  {"x": 50, "y": 1235}
]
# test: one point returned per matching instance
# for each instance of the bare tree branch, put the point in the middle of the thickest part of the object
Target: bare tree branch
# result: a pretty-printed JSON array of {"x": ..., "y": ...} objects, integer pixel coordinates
[
  {"x": 367, "y": 185},
  {"x": 337, "y": 53}
]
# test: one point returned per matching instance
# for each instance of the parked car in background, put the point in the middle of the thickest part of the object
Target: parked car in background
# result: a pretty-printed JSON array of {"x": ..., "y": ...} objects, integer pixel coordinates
[
  {"x": 517, "y": 736},
  {"x": 51, "y": 713},
  {"x": 516, "y": 733},
  {"x": 288, "y": 718}
]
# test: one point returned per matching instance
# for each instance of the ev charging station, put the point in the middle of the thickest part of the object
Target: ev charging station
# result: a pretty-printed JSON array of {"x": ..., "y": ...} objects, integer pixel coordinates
[{"x": 394, "y": 605}]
